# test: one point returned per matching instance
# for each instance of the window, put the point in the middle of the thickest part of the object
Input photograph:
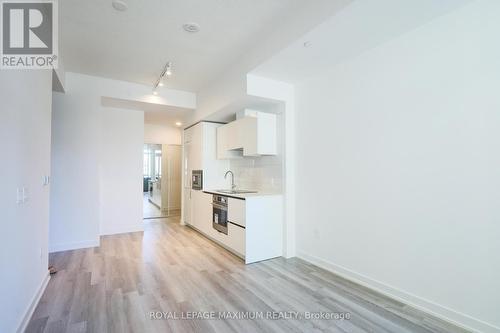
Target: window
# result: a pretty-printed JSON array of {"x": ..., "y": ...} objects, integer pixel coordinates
[
  {"x": 158, "y": 163},
  {"x": 151, "y": 166},
  {"x": 146, "y": 165}
]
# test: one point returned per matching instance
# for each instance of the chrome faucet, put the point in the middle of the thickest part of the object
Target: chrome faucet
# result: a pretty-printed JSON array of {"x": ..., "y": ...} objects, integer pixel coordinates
[{"x": 232, "y": 179}]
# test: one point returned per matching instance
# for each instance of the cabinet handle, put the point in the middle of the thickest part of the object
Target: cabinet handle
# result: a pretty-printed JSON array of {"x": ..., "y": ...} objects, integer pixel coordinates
[{"x": 236, "y": 224}]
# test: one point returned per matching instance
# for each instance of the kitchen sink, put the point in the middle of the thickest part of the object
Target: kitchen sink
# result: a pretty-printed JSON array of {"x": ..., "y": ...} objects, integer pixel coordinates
[{"x": 236, "y": 191}]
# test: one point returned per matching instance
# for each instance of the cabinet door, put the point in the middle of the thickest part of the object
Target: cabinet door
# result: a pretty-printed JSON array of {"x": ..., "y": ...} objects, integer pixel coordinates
[
  {"x": 201, "y": 210},
  {"x": 194, "y": 203},
  {"x": 236, "y": 211},
  {"x": 247, "y": 129},
  {"x": 229, "y": 141},
  {"x": 249, "y": 136},
  {"x": 187, "y": 207},
  {"x": 206, "y": 212},
  {"x": 221, "y": 142},
  {"x": 236, "y": 238},
  {"x": 196, "y": 148},
  {"x": 266, "y": 134},
  {"x": 196, "y": 215},
  {"x": 187, "y": 167},
  {"x": 233, "y": 136}
]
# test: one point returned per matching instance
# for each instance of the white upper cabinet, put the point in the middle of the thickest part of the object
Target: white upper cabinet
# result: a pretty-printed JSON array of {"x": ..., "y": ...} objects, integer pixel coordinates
[
  {"x": 252, "y": 135},
  {"x": 229, "y": 141},
  {"x": 196, "y": 150}
]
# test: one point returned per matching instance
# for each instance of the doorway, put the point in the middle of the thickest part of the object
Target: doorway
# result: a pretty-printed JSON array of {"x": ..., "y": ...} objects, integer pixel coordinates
[{"x": 161, "y": 180}]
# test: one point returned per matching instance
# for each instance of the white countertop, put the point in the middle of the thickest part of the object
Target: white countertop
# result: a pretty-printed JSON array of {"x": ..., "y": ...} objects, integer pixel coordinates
[{"x": 244, "y": 195}]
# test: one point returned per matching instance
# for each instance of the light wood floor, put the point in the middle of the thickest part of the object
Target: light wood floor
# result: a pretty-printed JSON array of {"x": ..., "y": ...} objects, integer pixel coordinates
[{"x": 170, "y": 268}]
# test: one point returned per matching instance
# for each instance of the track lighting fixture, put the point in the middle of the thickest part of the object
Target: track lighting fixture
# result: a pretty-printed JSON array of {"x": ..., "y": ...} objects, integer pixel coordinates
[{"x": 167, "y": 71}]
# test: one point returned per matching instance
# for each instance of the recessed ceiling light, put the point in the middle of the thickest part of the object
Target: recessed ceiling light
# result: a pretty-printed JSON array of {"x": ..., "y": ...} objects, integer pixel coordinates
[
  {"x": 191, "y": 27},
  {"x": 155, "y": 92},
  {"x": 119, "y": 5},
  {"x": 178, "y": 123}
]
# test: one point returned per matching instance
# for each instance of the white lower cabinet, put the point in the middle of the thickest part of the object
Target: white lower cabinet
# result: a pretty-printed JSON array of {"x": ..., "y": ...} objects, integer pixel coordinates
[
  {"x": 201, "y": 211},
  {"x": 255, "y": 225},
  {"x": 236, "y": 238},
  {"x": 236, "y": 211}
]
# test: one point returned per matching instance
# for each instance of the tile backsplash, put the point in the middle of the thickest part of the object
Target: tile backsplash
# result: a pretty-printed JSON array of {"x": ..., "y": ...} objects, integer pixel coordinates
[{"x": 262, "y": 173}]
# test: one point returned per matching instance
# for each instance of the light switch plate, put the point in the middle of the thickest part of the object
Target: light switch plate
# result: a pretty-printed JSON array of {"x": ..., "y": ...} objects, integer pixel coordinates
[
  {"x": 25, "y": 194},
  {"x": 19, "y": 196}
]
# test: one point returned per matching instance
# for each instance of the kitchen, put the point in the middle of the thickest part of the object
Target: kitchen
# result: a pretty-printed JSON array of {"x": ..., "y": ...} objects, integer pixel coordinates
[{"x": 232, "y": 176}]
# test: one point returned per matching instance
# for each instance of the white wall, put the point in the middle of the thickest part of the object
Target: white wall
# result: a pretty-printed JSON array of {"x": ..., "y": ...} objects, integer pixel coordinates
[
  {"x": 230, "y": 85},
  {"x": 25, "y": 107},
  {"x": 93, "y": 192},
  {"x": 121, "y": 171},
  {"x": 76, "y": 136},
  {"x": 162, "y": 134},
  {"x": 285, "y": 93},
  {"x": 397, "y": 167}
]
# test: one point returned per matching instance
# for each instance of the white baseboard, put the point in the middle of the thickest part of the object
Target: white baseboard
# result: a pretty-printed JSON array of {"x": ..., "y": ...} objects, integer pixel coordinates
[
  {"x": 34, "y": 302},
  {"x": 122, "y": 229},
  {"x": 73, "y": 246},
  {"x": 439, "y": 311}
]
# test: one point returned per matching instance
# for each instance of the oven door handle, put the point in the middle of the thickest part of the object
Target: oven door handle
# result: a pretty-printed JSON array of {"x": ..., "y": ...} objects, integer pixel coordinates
[{"x": 219, "y": 206}]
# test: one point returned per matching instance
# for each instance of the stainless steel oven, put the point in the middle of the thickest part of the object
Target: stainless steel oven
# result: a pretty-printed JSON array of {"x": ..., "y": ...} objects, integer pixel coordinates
[
  {"x": 197, "y": 180},
  {"x": 219, "y": 213}
]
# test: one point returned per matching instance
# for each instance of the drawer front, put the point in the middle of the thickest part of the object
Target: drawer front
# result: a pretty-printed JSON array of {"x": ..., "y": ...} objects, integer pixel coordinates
[
  {"x": 236, "y": 238},
  {"x": 236, "y": 211}
]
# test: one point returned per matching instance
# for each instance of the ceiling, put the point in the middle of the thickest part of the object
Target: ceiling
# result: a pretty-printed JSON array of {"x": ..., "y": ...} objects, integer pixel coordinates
[
  {"x": 153, "y": 113},
  {"x": 360, "y": 26},
  {"x": 134, "y": 45}
]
